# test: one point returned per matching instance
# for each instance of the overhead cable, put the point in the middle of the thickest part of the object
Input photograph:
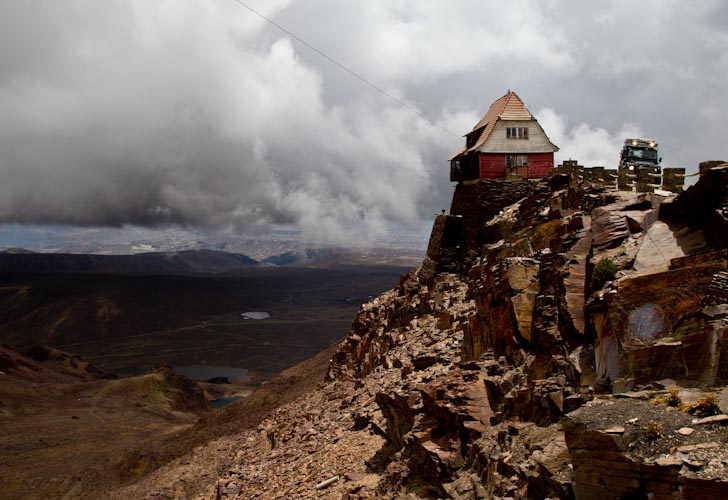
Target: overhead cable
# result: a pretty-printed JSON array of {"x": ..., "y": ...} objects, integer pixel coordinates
[{"x": 341, "y": 66}]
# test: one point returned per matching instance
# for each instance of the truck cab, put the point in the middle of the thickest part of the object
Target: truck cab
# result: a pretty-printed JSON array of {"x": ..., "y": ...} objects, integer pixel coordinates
[{"x": 639, "y": 153}]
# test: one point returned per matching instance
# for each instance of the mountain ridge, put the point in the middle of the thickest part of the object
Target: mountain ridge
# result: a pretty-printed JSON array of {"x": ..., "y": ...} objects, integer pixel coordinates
[{"x": 184, "y": 261}]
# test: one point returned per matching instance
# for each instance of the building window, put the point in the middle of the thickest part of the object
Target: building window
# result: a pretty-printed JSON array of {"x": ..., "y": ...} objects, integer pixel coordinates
[
  {"x": 517, "y": 132},
  {"x": 517, "y": 161}
]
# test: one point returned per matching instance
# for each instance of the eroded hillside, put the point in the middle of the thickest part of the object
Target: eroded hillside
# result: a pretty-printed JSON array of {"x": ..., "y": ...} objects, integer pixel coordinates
[{"x": 67, "y": 429}]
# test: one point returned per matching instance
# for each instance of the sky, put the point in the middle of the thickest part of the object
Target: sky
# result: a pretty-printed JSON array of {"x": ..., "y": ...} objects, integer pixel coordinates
[{"x": 201, "y": 114}]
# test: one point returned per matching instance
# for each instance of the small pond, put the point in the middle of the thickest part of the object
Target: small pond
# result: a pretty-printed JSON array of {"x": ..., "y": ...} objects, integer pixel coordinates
[
  {"x": 219, "y": 403},
  {"x": 254, "y": 315}
]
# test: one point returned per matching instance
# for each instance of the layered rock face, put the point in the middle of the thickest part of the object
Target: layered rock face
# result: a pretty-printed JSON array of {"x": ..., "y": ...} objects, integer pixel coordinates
[{"x": 481, "y": 375}]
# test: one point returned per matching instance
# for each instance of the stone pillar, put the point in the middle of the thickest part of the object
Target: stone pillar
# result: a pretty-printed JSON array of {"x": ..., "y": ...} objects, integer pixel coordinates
[
  {"x": 569, "y": 167},
  {"x": 647, "y": 177},
  {"x": 610, "y": 177},
  {"x": 598, "y": 174},
  {"x": 707, "y": 165},
  {"x": 625, "y": 180},
  {"x": 673, "y": 179}
]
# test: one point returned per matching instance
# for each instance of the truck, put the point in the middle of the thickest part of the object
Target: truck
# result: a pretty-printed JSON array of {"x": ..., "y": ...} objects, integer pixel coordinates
[{"x": 639, "y": 154}]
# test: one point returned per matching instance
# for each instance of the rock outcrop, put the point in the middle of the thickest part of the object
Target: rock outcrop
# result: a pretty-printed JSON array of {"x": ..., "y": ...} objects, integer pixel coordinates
[
  {"x": 614, "y": 456},
  {"x": 494, "y": 370}
]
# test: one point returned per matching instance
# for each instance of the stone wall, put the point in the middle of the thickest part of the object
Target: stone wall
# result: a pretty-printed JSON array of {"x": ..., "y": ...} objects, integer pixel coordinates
[
  {"x": 645, "y": 180},
  {"x": 444, "y": 245},
  {"x": 475, "y": 203}
]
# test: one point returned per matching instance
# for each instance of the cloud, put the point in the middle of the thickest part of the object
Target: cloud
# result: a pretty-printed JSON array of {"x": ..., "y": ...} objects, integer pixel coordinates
[
  {"x": 182, "y": 117},
  {"x": 404, "y": 41},
  {"x": 145, "y": 137},
  {"x": 201, "y": 114},
  {"x": 590, "y": 146}
]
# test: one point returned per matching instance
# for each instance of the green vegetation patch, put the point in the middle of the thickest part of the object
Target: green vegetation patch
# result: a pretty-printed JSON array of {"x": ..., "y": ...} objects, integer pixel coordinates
[{"x": 604, "y": 271}]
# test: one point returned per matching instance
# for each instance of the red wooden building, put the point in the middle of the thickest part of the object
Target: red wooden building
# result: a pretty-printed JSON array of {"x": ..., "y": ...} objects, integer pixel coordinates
[{"x": 507, "y": 142}]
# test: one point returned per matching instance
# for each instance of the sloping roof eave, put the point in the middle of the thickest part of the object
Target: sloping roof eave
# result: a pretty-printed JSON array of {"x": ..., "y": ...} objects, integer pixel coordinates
[{"x": 460, "y": 152}]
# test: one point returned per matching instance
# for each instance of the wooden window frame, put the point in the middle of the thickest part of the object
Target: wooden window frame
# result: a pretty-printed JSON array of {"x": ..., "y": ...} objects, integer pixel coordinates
[{"x": 517, "y": 133}]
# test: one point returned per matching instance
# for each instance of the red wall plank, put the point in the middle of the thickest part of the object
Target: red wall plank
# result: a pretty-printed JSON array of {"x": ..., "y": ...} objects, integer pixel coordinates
[
  {"x": 493, "y": 165},
  {"x": 540, "y": 164}
]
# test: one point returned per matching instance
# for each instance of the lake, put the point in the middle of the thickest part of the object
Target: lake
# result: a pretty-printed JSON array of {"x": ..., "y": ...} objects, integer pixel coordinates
[
  {"x": 254, "y": 315},
  {"x": 219, "y": 403}
]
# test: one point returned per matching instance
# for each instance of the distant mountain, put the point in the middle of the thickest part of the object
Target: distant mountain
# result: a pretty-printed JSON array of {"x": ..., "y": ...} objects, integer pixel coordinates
[
  {"x": 187, "y": 261},
  {"x": 338, "y": 257},
  {"x": 302, "y": 257},
  {"x": 17, "y": 250}
]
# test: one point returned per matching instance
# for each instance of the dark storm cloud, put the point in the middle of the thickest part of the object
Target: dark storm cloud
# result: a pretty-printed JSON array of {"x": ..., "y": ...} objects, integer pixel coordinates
[{"x": 201, "y": 114}]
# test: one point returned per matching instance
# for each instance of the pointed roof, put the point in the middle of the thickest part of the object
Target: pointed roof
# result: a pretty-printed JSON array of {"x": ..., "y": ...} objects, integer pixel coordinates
[{"x": 508, "y": 107}]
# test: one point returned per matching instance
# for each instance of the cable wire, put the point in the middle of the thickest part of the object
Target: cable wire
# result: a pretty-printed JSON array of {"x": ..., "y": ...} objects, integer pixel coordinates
[{"x": 341, "y": 66}]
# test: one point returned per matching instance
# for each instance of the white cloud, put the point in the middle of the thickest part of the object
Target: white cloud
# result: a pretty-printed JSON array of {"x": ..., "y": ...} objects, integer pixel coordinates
[
  {"x": 402, "y": 40},
  {"x": 590, "y": 146}
]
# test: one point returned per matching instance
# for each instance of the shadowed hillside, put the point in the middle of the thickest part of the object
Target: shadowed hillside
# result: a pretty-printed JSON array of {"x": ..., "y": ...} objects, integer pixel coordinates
[
  {"x": 66, "y": 426},
  {"x": 126, "y": 321},
  {"x": 187, "y": 261}
]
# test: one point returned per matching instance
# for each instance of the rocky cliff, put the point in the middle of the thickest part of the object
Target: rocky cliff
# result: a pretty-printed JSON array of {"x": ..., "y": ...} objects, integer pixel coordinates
[{"x": 507, "y": 367}]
